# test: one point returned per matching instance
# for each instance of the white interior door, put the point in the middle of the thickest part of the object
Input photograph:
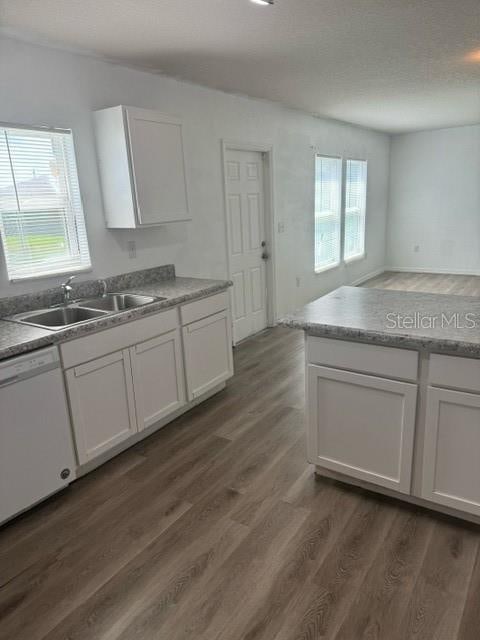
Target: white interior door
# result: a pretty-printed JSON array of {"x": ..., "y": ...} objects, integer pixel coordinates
[{"x": 246, "y": 232}]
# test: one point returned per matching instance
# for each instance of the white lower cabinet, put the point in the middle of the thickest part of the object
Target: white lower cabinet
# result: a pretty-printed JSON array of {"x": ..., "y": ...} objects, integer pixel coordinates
[
  {"x": 102, "y": 404},
  {"x": 451, "y": 457},
  {"x": 158, "y": 378},
  {"x": 361, "y": 425},
  {"x": 139, "y": 375},
  {"x": 208, "y": 353}
]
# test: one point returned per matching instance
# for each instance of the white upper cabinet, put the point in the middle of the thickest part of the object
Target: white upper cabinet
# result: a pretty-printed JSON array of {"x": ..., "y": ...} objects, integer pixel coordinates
[{"x": 142, "y": 167}]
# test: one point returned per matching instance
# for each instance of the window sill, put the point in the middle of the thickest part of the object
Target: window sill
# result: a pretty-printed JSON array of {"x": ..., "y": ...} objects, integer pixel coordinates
[
  {"x": 355, "y": 258},
  {"x": 328, "y": 267},
  {"x": 51, "y": 274}
]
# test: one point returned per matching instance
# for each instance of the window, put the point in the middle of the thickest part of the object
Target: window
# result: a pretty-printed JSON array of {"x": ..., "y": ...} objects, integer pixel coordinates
[
  {"x": 41, "y": 217},
  {"x": 328, "y": 196},
  {"x": 332, "y": 215},
  {"x": 355, "y": 206}
]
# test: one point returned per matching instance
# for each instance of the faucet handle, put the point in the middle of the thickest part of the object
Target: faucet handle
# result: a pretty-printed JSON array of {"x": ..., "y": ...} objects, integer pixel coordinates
[
  {"x": 67, "y": 282},
  {"x": 104, "y": 286}
]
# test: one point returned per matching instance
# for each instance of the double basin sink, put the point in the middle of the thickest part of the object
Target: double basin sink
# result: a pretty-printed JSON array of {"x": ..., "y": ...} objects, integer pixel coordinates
[{"x": 60, "y": 317}]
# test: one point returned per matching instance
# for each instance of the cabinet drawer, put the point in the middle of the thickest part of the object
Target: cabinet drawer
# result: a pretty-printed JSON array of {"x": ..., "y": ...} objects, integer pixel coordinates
[
  {"x": 454, "y": 372},
  {"x": 110, "y": 340},
  {"x": 366, "y": 358},
  {"x": 202, "y": 308}
]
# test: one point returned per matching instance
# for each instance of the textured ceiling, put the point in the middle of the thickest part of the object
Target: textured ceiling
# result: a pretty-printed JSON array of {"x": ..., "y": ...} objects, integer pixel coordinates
[{"x": 394, "y": 65}]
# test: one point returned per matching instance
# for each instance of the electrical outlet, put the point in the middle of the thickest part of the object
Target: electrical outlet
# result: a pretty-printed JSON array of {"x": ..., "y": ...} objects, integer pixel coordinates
[
  {"x": 281, "y": 227},
  {"x": 416, "y": 248},
  {"x": 132, "y": 249}
]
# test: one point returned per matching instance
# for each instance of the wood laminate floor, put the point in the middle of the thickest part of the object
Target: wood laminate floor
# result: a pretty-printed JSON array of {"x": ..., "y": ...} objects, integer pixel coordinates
[
  {"x": 451, "y": 284},
  {"x": 215, "y": 528}
]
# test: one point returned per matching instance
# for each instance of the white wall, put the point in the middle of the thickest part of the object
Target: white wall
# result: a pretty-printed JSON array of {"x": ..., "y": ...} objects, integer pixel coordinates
[
  {"x": 40, "y": 85},
  {"x": 435, "y": 201}
]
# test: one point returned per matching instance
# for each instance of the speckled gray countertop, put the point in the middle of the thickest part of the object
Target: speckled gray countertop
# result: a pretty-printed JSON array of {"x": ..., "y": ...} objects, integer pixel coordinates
[
  {"x": 18, "y": 338},
  {"x": 425, "y": 321}
]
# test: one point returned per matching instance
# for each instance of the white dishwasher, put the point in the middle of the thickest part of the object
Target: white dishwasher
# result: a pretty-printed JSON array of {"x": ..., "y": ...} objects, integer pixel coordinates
[{"x": 36, "y": 448}]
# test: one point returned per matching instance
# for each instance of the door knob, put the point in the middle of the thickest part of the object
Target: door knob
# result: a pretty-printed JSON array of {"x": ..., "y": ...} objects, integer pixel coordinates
[{"x": 265, "y": 255}]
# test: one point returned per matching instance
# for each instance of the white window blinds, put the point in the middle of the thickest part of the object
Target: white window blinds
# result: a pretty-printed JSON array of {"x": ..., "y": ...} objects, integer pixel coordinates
[
  {"x": 328, "y": 183},
  {"x": 41, "y": 217},
  {"x": 355, "y": 207}
]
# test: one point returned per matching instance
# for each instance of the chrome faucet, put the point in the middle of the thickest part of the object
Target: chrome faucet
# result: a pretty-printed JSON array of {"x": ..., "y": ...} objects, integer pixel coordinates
[
  {"x": 67, "y": 290},
  {"x": 104, "y": 287}
]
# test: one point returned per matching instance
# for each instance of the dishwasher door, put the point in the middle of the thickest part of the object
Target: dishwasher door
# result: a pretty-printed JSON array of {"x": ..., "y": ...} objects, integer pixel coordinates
[{"x": 36, "y": 448}]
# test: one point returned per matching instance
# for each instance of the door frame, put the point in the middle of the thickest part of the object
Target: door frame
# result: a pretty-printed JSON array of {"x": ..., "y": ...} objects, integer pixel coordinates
[{"x": 268, "y": 195}]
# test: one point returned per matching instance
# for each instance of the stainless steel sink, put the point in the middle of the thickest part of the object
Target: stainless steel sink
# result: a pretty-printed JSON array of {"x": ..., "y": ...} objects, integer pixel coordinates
[
  {"x": 59, "y": 318},
  {"x": 82, "y": 310},
  {"x": 118, "y": 301}
]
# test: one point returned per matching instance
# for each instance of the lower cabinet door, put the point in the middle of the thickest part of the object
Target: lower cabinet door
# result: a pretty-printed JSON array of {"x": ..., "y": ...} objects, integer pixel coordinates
[
  {"x": 361, "y": 426},
  {"x": 208, "y": 353},
  {"x": 102, "y": 404},
  {"x": 451, "y": 455},
  {"x": 158, "y": 378}
]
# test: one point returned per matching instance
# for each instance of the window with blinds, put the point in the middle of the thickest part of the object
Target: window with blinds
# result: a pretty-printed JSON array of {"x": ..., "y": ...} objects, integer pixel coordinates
[
  {"x": 355, "y": 208},
  {"x": 328, "y": 198},
  {"x": 41, "y": 217}
]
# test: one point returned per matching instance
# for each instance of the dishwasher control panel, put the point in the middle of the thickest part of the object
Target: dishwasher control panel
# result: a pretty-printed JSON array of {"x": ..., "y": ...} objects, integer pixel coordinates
[{"x": 29, "y": 364}]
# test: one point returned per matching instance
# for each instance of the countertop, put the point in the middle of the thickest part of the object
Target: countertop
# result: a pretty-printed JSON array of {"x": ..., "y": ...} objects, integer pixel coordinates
[
  {"x": 16, "y": 338},
  {"x": 425, "y": 321}
]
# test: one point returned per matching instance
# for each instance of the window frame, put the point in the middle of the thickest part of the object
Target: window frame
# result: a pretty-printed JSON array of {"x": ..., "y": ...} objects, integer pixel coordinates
[
  {"x": 78, "y": 212},
  {"x": 359, "y": 256},
  {"x": 343, "y": 190},
  {"x": 327, "y": 267}
]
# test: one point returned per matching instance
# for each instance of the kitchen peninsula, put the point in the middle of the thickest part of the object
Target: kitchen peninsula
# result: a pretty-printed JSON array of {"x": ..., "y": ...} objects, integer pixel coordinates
[{"x": 393, "y": 394}]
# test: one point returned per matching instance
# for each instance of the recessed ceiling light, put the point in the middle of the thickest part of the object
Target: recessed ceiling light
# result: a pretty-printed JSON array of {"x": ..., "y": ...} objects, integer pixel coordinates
[{"x": 262, "y": 2}]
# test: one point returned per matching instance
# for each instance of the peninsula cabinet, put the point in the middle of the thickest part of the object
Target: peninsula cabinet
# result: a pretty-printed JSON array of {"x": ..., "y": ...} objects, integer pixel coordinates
[
  {"x": 101, "y": 403},
  {"x": 451, "y": 457},
  {"x": 142, "y": 167},
  {"x": 382, "y": 418},
  {"x": 395, "y": 409},
  {"x": 361, "y": 425}
]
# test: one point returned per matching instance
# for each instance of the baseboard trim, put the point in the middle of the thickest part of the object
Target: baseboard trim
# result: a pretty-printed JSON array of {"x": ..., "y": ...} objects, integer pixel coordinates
[
  {"x": 432, "y": 270},
  {"x": 367, "y": 276}
]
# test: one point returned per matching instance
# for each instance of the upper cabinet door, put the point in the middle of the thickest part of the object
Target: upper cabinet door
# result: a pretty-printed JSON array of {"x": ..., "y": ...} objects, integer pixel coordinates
[
  {"x": 158, "y": 166},
  {"x": 142, "y": 167}
]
